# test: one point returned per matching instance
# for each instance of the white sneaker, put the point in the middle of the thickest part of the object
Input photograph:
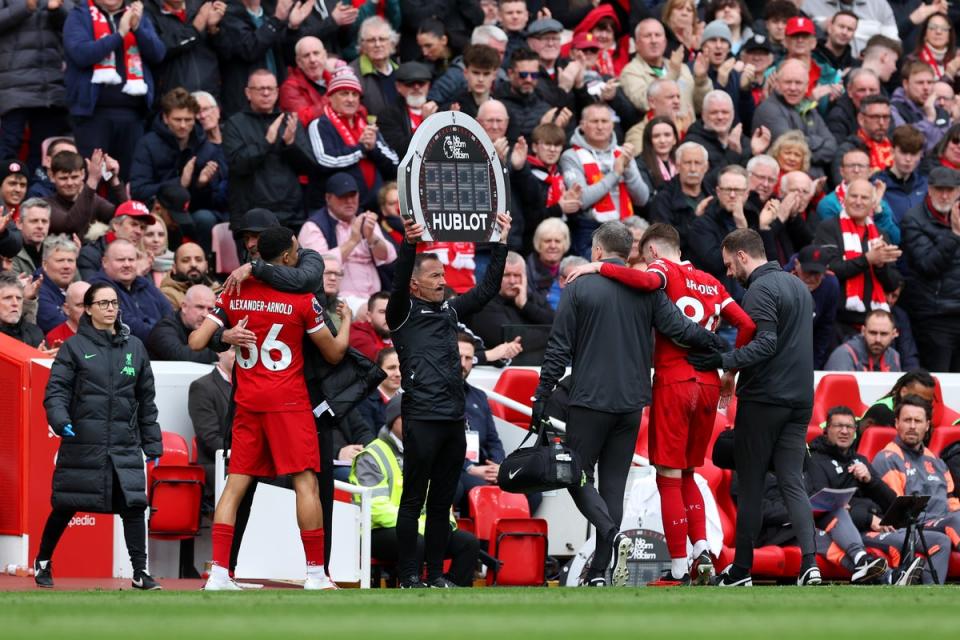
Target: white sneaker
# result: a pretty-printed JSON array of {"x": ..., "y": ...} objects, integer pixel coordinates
[
  {"x": 221, "y": 585},
  {"x": 320, "y": 583}
]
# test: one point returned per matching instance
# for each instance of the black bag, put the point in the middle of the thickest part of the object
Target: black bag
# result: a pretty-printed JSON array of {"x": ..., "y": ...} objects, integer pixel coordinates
[{"x": 543, "y": 467}]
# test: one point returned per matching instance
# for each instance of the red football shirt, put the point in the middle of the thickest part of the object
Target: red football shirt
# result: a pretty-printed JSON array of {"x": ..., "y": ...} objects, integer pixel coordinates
[
  {"x": 701, "y": 298},
  {"x": 270, "y": 376}
]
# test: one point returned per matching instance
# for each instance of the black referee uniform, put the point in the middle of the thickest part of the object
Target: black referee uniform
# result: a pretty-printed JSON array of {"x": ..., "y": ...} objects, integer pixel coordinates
[
  {"x": 434, "y": 444},
  {"x": 775, "y": 394}
]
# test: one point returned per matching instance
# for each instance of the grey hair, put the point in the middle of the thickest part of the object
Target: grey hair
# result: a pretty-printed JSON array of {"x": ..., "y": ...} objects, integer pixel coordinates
[
  {"x": 613, "y": 238},
  {"x": 487, "y": 32},
  {"x": 570, "y": 262},
  {"x": 654, "y": 89},
  {"x": 59, "y": 242},
  {"x": 10, "y": 279},
  {"x": 692, "y": 145},
  {"x": 860, "y": 71},
  {"x": 514, "y": 258},
  {"x": 206, "y": 95},
  {"x": 717, "y": 94},
  {"x": 595, "y": 105},
  {"x": 636, "y": 222},
  {"x": 763, "y": 159},
  {"x": 35, "y": 203},
  {"x": 374, "y": 22}
]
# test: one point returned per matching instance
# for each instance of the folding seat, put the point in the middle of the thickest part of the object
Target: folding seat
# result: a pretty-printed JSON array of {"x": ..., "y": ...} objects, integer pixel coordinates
[
  {"x": 942, "y": 414},
  {"x": 175, "y": 495},
  {"x": 519, "y": 385},
  {"x": 836, "y": 389},
  {"x": 516, "y": 540},
  {"x": 943, "y": 437},
  {"x": 873, "y": 439}
]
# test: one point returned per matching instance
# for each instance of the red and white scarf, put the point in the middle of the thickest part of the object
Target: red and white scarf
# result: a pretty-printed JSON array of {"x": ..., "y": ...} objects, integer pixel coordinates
[
  {"x": 549, "y": 175},
  {"x": 105, "y": 71},
  {"x": 852, "y": 249},
  {"x": 841, "y": 192},
  {"x": 605, "y": 210},
  {"x": 351, "y": 135},
  {"x": 927, "y": 55}
]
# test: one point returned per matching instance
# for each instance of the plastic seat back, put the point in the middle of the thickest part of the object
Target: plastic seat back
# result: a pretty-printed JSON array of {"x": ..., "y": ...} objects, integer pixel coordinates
[
  {"x": 942, "y": 438},
  {"x": 836, "y": 389},
  {"x": 175, "y": 495},
  {"x": 518, "y": 385},
  {"x": 873, "y": 439},
  {"x": 175, "y": 451},
  {"x": 942, "y": 414},
  {"x": 490, "y": 503},
  {"x": 520, "y": 544},
  {"x": 194, "y": 451}
]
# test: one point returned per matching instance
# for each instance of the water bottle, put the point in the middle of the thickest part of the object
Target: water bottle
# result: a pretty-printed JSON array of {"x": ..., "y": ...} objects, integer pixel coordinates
[{"x": 562, "y": 462}]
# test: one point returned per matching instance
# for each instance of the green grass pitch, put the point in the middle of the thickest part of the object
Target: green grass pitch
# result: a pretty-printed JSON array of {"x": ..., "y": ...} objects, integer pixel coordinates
[{"x": 775, "y": 613}]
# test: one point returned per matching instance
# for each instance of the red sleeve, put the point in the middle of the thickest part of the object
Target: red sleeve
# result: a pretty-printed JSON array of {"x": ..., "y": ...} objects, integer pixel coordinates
[
  {"x": 634, "y": 278},
  {"x": 735, "y": 315}
]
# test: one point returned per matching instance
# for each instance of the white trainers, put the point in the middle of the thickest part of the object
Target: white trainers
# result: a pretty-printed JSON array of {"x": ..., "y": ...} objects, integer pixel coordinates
[
  {"x": 320, "y": 583},
  {"x": 214, "y": 584}
]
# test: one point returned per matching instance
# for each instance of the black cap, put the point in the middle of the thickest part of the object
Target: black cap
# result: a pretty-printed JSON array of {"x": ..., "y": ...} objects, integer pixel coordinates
[
  {"x": 944, "y": 177},
  {"x": 257, "y": 220},
  {"x": 12, "y": 167},
  {"x": 813, "y": 259},
  {"x": 412, "y": 72},
  {"x": 756, "y": 42},
  {"x": 392, "y": 411},
  {"x": 176, "y": 200},
  {"x": 340, "y": 184}
]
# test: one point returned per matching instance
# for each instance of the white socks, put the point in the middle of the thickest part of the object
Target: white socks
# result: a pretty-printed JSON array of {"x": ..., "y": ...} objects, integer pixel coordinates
[
  {"x": 316, "y": 571},
  {"x": 699, "y": 547},
  {"x": 219, "y": 574},
  {"x": 678, "y": 567},
  {"x": 856, "y": 558}
]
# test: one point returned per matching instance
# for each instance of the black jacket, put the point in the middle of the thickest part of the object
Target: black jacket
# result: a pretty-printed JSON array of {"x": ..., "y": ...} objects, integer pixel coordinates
[
  {"x": 600, "y": 322},
  {"x": 829, "y": 235},
  {"x": 247, "y": 47},
  {"x": 720, "y": 156},
  {"x": 842, "y": 118},
  {"x": 425, "y": 337},
  {"x": 488, "y": 323},
  {"x": 263, "y": 174},
  {"x": 532, "y": 191},
  {"x": 191, "y": 60},
  {"x": 90, "y": 258},
  {"x": 705, "y": 235},
  {"x": 525, "y": 111},
  {"x": 102, "y": 384},
  {"x": 168, "y": 341},
  {"x": 932, "y": 257},
  {"x": 776, "y": 367},
  {"x": 827, "y": 469},
  {"x": 672, "y": 206},
  {"x": 25, "y": 332},
  {"x": 395, "y": 126}
]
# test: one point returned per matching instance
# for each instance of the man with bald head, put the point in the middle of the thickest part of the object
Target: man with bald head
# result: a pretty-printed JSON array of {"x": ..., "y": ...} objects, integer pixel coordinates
[
  {"x": 863, "y": 259},
  {"x": 782, "y": 223},
  {"x": 303, "y": 90},
  {"x": 493, "y": 117},
  {"x": 142, "y": 305},
  {"x": 73, "y": 308},
  {"x": 789, "y": 108},
  {"x": 189, "y": 268},
  {"x": 168, "y": 340},
  {"x": 842, "y": 117}
]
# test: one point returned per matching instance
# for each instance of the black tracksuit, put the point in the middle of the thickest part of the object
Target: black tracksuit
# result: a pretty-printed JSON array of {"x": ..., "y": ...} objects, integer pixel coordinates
[
  {"x": 775, "y": 392},
  {"x": 600, "y": 322},
  {"x": 425, "y": 337}
]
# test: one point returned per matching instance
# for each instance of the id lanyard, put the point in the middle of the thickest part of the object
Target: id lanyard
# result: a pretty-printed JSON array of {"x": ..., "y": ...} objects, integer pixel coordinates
[{"x": 473, "y": 444}]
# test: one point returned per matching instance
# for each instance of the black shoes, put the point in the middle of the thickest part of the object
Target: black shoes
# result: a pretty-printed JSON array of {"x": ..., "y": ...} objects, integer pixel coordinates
[
  {"x": 667, "y": 580},
  {"x": 143, "y": 581},
  {"x": 442, "y": 583},
  {"x": 727, "y": 578},
  {"x": 413, "y": 583},
  {"x": 702, "y": 570},
  {"x": 598, "y": 581},
  {"x": 43, "y": 574},
  {"x": 810, "y": 577},
  {"x": 868, "y": 569}
]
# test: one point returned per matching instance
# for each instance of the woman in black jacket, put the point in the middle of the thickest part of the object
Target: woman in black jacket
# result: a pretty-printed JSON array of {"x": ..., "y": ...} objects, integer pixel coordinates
[{"x": 100, "y": 401}]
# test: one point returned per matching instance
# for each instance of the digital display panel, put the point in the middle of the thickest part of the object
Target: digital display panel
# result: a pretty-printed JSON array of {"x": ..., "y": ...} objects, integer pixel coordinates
[{"x": 457, "y": 186}]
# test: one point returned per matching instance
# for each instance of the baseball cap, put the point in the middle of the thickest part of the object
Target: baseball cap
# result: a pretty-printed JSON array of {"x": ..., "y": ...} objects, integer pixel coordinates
[
  {"x": 256, "y": 220},
  {"x": 340, "y": 184},
  {"x": 757, "y": 42},
  {"x": 135, "y": 209},
  {"x": 812, "y": 259},
  {"x": 412, "y": 72},
  {"x": 344, "y": 78},
  {"x": 544, "y": 26},
  {"x": 176, "y": 200},
  {"x": 944, "y": 177},
  {"x": 12, "y": 167},
  {"x": 800, "y": 26},
  {"x": 392, "y": 411},
  {"x": 585, "y": 41}
]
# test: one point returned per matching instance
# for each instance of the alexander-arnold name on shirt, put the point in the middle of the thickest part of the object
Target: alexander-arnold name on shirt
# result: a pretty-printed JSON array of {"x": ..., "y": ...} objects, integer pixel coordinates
[{"x": 241, "y": 304}]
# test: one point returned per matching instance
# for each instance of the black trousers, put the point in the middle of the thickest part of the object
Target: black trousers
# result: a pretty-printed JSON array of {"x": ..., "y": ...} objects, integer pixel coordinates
[
  {"x": 433, "y": 454},
  {"x": 134, "y": 529},
  {"x": 462, "y": 549},
  {"x": 768, "y": 436},
  {"x": 325, "y": 483},
  {"x": 607, "y": 441},
  {"x": 939, "y": 343},
  {"x": 115, "y": 130},
  {"x": 44, "y": 122}
]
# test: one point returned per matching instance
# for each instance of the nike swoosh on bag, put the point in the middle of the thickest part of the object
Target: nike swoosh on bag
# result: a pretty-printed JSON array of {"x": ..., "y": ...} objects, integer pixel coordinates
[
  {"x": 514, "y": 473},
  {"x": 87, "y": 356}
]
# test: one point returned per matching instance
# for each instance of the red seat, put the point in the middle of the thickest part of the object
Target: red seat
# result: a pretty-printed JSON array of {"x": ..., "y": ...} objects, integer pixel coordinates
[
  {"x": 642, "y": 447},
  {"x": 175, "y": 451},
  {"x": 175, "y": 495},
  {"x": 518, "y": 541},
  {"x": 954, "y": 567},
  {"x": 942, "y": 414},
  {"x": 194, "y": 452},
  {"x": 225, "y": 248},
  {"x": 943, "y": 437},
  {"x": 519, "y": 385},
  {"x": 836, "y": 389},
  {"x": 873, "y": 439},
  {"x": 520, "y": 544},
  {"x": 466, "y": 524},
  {"x": 813, "y": 432}
]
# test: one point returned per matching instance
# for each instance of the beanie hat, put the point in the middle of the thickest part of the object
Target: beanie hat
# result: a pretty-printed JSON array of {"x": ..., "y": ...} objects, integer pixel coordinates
[
  {"x": 717, "y": 29},
  {"x": 344, "y": 78}
]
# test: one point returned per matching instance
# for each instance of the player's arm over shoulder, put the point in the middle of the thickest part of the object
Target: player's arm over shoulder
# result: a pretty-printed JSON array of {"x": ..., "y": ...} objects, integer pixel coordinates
[
  {"x": 331, "y": 348},
  {"x": 217, "y": 319}
]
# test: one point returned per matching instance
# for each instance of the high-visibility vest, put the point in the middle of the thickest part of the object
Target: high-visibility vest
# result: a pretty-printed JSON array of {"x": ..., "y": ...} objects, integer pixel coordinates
[{"x": 385, "y": 496}]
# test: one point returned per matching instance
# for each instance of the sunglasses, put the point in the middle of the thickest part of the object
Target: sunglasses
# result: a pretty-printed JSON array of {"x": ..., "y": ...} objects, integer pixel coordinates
[{"x": 528, "y": 75}]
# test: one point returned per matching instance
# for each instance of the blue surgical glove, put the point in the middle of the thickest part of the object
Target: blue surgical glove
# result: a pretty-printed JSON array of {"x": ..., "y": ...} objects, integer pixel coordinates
[
  {"x": 68, "y": 431},
  {"x": 155, "y": 461}
]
